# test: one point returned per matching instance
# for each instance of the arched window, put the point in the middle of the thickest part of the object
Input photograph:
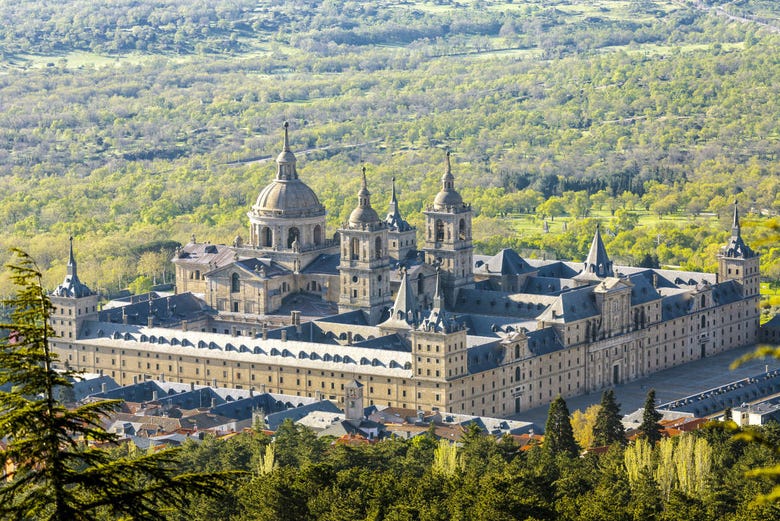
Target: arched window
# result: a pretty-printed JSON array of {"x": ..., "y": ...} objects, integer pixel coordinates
[
  {"x": 266, "y": 237},
  {"x": 293, "y": 235},
  {"x": 462, "y": 230},
  {"x": 317, "y": 235},
  {"x": 378, "y": 248},
  {"x": 235, "y": 285},
  {"x": 354, "y": 249},
  {"x": 439, "y": 230},
  {"x": 703, "y": 301},
  {"x": 517, "y": 374},
  {"x": 517, "y": 351}
]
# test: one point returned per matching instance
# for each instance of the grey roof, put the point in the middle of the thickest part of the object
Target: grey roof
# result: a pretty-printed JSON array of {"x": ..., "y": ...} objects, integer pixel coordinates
[
  {"x": 505, "y": 262},
  {"x": 439, "y": 320},
  {"x": 546, "y": 285},
  {"x": 393, "y": 342},
  {"x": 498, "y": 303},
  {"x": 675, "y": 305},
  {"x": 405, "y": 312},
  {"x": 572, "y": 306},
  {"x": 643, "y": 290},
  {"x": 597, "y": 263},
  {"x": 356, "y": 317},
  {"x": 484, "y": 357},
  {"x": 274, "y": 420},
  {"x": 167, "y": 310},
  {"x": 324, "y": 264},
  {"x": 543, "y": 341},
  {"x": 726, "y": 292},
  {"x": 72, "y": 287},
  {"x": 261, "y": 267},
  {"x": 211, "y": 256}
]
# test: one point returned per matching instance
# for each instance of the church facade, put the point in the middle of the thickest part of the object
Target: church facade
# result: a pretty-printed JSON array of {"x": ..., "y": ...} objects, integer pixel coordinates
[{"x": 431, "y": 328}]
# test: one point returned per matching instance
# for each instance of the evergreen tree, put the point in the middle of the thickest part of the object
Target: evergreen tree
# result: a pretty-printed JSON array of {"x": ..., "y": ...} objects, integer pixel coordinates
[
  {"x": 558, "y": 433},
  {"x": 608, "y": 428},
  {"x": 54, "y": 474},
  {"x": 650, "y": 429}
]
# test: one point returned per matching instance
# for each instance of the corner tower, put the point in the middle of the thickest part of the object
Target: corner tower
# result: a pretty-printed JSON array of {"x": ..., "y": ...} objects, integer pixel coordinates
[
  {"x": 448, "y": 237},
  {"x": 74, "y": 303},
  {"x": 738, "y": 262},
  {"x": 365, "y": 265}
]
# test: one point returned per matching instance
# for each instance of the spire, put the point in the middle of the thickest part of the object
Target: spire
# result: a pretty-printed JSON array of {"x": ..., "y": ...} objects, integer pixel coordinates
[
  {"x": 71, "y": 261},
  {"x": 363, "y": 213},
  {"x": 394, "y": 219},
  {"x": 597, "y": 263},
  {"x": 285, "y": 161},
  {"x": 447, "y": 197},
  {"x": 405, "y": 311},
  {"x": 72, "y": 286},
  {"x": 438, "y": 302},
  {"x": 447, "y": 180},
  {"x": 736, "y": 246},
  {"x": 439, "y": 320}
]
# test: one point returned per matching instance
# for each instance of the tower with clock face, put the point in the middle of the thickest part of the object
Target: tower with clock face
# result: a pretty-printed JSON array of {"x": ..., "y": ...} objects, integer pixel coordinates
[{"x": 353, "y": 402}]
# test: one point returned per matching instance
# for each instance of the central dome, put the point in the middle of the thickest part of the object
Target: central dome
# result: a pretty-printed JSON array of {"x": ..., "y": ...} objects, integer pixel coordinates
[
  {"x": 288, "y": 198},
  {"x": 287, "y": 195}
]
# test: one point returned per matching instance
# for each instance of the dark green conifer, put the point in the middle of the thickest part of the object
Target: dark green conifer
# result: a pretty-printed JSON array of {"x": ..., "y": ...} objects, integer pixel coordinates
[
  {"x": 650, "y": 429},
  {"x": 558, "y": 433},
  {"x": 54, "y": 472},
  {"x": 608, "y": 428}
]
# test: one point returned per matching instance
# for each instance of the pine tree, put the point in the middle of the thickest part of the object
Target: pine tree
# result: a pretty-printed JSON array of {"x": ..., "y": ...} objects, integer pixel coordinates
[
  {"x": 558, "y": 433},
  {"x": 54, "y": 473},
  {"x": 608, "y": 428},
  {"x": 650, "y": 429}
]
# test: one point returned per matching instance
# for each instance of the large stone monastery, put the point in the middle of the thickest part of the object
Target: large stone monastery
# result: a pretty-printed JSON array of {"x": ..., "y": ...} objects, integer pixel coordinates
[{"x": 431, "y": 328}]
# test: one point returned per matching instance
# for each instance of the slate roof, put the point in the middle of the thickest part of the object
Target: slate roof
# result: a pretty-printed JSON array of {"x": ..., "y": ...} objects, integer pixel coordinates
[
  {"x": 323, "y": 264},
  {"x": 211, "y": 256},
  {"x": 571, "y": 306},
  {"x": 166, "y": 310},
  {"x": 505, "y": 262},
  {"x": 274, "y": 420}
]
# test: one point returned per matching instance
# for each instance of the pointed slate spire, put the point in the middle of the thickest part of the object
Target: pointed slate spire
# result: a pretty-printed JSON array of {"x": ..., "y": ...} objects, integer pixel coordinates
[
  {"x": 439, "y": 320},
  {"x": 394, "y": 219},
  {"x": 735, "y": 229},
  {"x": 72, "y": 286},
  {"x": 71, "y": 261},
  {"x": 285, "y": 161},
  {"x": 597, "y": 262},
  {"x": 737, "y": 246},
  {"x": 405, "y": 311}
]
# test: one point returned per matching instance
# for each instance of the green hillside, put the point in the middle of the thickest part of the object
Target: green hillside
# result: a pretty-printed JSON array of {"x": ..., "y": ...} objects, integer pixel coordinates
[{"x": 133, "y": 123}]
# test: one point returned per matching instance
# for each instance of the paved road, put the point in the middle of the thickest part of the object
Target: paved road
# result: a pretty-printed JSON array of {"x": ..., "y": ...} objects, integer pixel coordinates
[{"x": 671, "y": 384}]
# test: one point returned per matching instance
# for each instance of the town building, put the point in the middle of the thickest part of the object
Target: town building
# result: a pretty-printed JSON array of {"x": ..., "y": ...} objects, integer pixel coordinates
[{"x": 437, "y": 328}]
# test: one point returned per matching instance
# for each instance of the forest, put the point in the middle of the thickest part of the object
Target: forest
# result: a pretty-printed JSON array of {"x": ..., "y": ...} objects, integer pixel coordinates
[{"x": 136, "y": 124}]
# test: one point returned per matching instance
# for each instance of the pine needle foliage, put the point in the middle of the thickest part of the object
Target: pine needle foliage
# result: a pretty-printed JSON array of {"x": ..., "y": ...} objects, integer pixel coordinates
[
  {"x": 49, "y": 467},
  {"x": 558, "y": 432},
  {"x": 650, "y": 429},
  {"x": 608, "y": 428}
]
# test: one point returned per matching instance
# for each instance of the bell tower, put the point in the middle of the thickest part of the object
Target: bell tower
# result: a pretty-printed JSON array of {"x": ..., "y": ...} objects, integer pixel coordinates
[
  {"x": 448, "y": 237},
  {"x": 74, "y": 303},
  {"x": 738, "y": 262},
  {"x": 365, "y": 264}
]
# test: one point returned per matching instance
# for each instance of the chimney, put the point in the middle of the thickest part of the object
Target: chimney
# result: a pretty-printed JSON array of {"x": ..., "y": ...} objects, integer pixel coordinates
[
  {"x": 103, "y": 387},
  {"x": 233, "y": 331},
  {"x": 192, "y": 386},
  {"x": 655, "y": 280},
  {"x": 184, "y": 325},
  {"x": 251, "y": 392},
  {"x": 150, "y": 321},
  {"x": 162, "y": 377},
  {"x": 284, "y": 335},
  {"x": 265, "y": 331},
  {"x": 213, "y": 402},
  {"x": 420, "y": 416},
  {"x": 100, "y": 372},
  {"x": 124, "y": 317},
  {"x": 135, "y": 380},
  {"x": 213, "y": 382},
  {"x": 349, "y": 338},
  {"x": 154, "y": 396},
  {"x": 254, "y": 332}
]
